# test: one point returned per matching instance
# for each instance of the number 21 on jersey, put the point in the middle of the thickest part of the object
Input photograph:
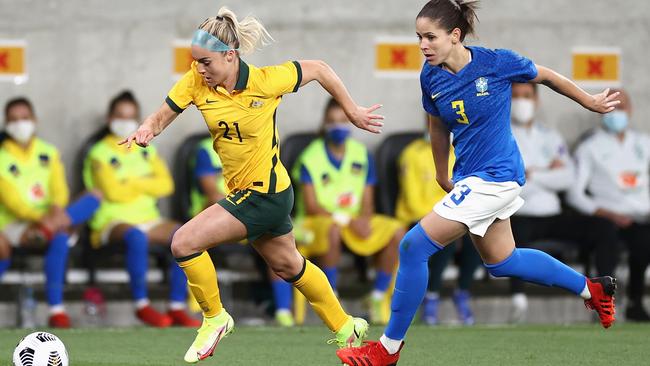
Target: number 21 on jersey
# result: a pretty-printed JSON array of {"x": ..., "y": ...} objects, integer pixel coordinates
[{"x": 459, "y": 106}]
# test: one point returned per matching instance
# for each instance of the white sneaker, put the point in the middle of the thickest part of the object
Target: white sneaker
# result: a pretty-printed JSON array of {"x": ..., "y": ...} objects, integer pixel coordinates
[{"x": 519, "y": 308}]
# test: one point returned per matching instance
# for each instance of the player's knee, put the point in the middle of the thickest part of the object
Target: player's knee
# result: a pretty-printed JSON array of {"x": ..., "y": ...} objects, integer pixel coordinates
[
  {"x": 181, "y": 245},
  {"x": 287, "y": 265},
  {"x": 506, "y": 268},
  {"x": 413, "y": 247}
]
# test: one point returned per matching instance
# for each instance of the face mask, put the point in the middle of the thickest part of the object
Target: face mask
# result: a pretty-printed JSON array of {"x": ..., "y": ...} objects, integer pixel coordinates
[
  {"x": 337, "y": 133},
  {"x": 21, "y": 130},
  {"x": 522, "y": 110},
  {"x": 615, "y": 121},
  {"x": 123, "y": 127}
]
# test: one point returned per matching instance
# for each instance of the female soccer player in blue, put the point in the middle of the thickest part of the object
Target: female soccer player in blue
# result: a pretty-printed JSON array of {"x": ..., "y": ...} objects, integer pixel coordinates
[{"x": 466, "y": 91}]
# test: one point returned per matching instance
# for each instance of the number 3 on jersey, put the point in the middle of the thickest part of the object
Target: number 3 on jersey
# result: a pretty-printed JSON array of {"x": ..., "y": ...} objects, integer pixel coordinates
[{"x": 460, "y": 105}]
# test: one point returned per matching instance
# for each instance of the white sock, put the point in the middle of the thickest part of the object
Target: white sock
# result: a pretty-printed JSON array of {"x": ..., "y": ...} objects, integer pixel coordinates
[
  {"x": 141, "y": 303},
  {"x": 391, "y": 345},
  {"x": 176, "y": 305},
  {"x": 57, "y": 309},
  {"x": 282, "y": 311},
  {"x": 377, "y": 295},
  {"x": 432, "y": 295},
  {"x": 585, "y": 294}
]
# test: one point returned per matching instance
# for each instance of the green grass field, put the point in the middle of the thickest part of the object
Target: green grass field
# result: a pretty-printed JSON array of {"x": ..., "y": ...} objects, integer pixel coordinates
[{"x": 624, "y": 344}]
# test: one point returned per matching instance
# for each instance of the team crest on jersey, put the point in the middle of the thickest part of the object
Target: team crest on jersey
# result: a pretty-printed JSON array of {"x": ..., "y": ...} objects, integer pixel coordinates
[
  {"x": 356, "y": 168},
  {"x": 325, "y": 178},
  {"x": 256, "y": 104},
  {"x": 13, "y": 169},
  {"x": 44, "y": 160},
  {"x": 481, "y": 86},
  {"x": 115, "y": 163}
]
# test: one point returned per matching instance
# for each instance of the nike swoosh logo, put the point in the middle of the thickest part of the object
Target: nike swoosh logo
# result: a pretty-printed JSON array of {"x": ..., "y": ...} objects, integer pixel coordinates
[
  {"x": 446, "y": 205},
  {"x": 210, "y": 101},
  {"x": 434, "y": 96},
  {"x": 356, "y": 333}
]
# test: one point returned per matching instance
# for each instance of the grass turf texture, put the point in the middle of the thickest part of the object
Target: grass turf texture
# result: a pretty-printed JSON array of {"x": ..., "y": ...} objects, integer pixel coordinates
[{"x": 624, "y": 344}]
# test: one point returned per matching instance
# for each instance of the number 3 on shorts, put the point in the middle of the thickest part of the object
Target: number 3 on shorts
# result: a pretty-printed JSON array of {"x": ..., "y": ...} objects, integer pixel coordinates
[{"x": 456, "y": 198}]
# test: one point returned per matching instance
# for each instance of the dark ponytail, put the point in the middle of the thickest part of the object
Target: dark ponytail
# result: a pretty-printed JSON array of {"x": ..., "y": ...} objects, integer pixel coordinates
[{"x": 451, "y": 14}]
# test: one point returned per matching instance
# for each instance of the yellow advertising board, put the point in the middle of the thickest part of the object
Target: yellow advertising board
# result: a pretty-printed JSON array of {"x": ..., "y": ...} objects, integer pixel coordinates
[
  {"x": 597, "y": 67},
  {"x": 181, "y": 57},
  {"x": 13, "y": 61},
  {"x": 398, "y": 57}
]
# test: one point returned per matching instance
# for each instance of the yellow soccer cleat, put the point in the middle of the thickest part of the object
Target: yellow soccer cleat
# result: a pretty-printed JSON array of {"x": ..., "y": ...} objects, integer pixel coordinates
[
  {"x": 379, "y": 310},
  {"x": 209, "y": 335},
  {"x": 352, "y": 334},
  {"x": 284, "y": 318}
]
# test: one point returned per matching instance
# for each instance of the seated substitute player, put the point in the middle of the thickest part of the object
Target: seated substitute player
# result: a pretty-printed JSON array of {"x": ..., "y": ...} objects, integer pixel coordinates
[
  {"x": 33, "y": 199},
  {"x": 613, "y": 166},
  {"x": 131, "y": 182},
  {"x": 208, "y": 186},
  {"x": 335, "y": 202},
  {"x": 417, "y": 194},
  {"x": 549, "y": 171}
]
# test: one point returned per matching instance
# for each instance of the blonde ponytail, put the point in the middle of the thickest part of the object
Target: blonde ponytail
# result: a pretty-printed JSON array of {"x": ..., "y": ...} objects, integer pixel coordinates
[{"x": 246, "y": 35}]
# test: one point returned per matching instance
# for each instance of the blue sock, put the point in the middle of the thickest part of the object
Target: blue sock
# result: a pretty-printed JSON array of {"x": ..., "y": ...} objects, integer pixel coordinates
[
  {"x": 82, "y": 209},
  {"x": 282, "y": 294},
  {"x": 4, "y": 266},
  {"x": 538, "y": 267},
  {"x": 332, "y": 274},
  {"x": 177, "y": 283},
  {"x": 382, "y": 280},
  {"x": 411, "y": 283},
  {"x": 136, "y": 261},
  {"x": 55, "y": 263}
]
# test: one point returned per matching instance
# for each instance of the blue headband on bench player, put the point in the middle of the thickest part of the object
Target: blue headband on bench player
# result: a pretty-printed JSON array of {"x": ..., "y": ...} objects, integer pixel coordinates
[{"x": 209, "y": 42}]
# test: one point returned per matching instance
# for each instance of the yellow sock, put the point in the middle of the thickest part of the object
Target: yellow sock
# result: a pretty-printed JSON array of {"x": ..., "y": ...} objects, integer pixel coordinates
[
  {"x": 314, "y": 285},
  {"x": 202, "y": 280}
]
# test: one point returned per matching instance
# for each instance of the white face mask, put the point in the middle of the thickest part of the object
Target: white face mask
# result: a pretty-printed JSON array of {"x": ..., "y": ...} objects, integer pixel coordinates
[
  {"x": 522, "y": 110},
  {"x": 123, "y": 127},
  {"x": 21, "y": 130}
]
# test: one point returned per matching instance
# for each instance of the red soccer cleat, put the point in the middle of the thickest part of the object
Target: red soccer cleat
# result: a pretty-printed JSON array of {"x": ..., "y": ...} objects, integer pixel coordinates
[
  {"x": 602, "y": 291},
  {"x": 372, "y": 353},
  {"x": 183, "y": 319},
  {"x": 59, "y": 320},
  {"x": 150, "y": 316}
]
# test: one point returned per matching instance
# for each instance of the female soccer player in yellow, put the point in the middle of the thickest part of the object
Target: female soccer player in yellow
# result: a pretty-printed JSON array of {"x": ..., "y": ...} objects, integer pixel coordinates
[{"x": 238, "y": 102}]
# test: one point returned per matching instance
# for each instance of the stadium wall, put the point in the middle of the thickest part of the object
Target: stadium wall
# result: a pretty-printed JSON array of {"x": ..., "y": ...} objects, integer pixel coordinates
[{"x": 81, "y": 53}]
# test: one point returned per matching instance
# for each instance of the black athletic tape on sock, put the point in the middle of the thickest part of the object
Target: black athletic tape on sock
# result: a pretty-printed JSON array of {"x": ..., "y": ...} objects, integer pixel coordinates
[
  {"x": 299, "y": 275},
  {"x": 184, "y": 259}
]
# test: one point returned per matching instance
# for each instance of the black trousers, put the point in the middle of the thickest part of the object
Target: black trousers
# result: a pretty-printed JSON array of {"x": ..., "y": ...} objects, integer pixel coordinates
[{"x": 593, "y": 234}]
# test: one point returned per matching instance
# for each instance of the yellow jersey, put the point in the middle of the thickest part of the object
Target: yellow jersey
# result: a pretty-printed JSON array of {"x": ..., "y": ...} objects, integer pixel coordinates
[
  {"x": 419, "y": 190},
  {"x": 242, "y": 123}
]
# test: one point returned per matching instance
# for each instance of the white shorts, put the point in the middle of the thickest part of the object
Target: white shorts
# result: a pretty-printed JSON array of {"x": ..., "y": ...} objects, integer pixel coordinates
[
  {"x": 144, "y": 227},
  {"x": 477, "y": 203},
  {"x": 14, "y": 232}
]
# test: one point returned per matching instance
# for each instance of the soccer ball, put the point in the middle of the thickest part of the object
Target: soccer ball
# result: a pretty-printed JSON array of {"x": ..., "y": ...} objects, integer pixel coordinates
[{"x": 40, "y": 349}]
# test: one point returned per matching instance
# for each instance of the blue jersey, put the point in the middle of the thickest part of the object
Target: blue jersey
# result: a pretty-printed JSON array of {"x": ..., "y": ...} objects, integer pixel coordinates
[{"x": 475, "y": 106}]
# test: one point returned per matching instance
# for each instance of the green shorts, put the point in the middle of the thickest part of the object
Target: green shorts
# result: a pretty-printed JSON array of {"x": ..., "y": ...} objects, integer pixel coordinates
[{"x": 261, "y": 213}]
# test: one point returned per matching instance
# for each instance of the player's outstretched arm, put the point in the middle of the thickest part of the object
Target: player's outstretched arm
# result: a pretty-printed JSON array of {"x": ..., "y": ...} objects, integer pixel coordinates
[
  {"x": 151, "y": 127},
  {"x": 361, "y": 117},
  {"x": 600, "y": 103},
  {"x": 439, "y": 135}
]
